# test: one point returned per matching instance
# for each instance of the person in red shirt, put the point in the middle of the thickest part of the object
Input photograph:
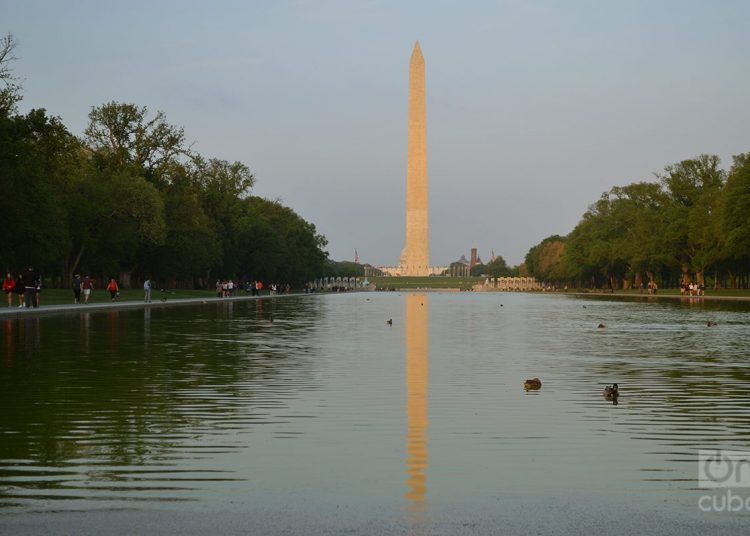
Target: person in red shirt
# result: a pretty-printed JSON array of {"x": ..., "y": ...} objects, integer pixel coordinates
[
  {"x": 113, "y": 289},
  {"x": 9, "y": 284}
]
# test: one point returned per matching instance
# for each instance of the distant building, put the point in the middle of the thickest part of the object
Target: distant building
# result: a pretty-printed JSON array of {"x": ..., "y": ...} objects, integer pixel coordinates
[{"x": 459, "y": 268}]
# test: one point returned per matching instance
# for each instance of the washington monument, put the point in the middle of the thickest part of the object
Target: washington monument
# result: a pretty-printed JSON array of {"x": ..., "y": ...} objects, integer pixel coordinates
[{"x": 415, "y": 257}]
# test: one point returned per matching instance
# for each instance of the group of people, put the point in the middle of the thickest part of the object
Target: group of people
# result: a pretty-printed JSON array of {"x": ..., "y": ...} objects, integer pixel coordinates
[
  {"x": 82, "y": 286},
  {"x": 692, "y": 289},
  {"x": 227, "y": 288},
  {"x": 276, "y": 289},
  {"x": 26, "y": 286}
]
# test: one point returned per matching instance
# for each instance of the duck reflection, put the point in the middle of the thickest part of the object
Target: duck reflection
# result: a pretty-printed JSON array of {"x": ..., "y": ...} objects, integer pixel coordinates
[{"x": 417, "y": 371}]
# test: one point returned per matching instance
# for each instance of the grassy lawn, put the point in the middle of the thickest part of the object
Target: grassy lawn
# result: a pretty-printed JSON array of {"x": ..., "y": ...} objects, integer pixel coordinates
[
  {"x": 55, "y": 296},
  {"x": 464, "y": 283}
]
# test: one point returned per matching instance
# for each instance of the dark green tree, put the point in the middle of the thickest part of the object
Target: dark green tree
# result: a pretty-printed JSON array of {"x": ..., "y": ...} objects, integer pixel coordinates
[
  {"x": 122, "y": 137},
  {"x": 693, "y": 188},
  {"x": 36, "y": 152},
  {"x": 544, "y": 261},
  {"x": 734, "y": 208}
]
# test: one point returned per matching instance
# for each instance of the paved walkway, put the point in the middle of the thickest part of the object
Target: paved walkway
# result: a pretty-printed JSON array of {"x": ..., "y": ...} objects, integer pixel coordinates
[{"x": 8, "y": 312}]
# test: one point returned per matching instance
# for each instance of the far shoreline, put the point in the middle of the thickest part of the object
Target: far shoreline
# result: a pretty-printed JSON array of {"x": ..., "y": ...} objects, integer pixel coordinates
[
  {"x": 654, "y": 296},
  {"x": 580, "y": 294}
]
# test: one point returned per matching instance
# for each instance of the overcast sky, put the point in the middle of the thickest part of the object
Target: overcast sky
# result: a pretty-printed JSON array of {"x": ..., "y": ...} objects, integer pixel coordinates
[{"x": 533, "y": 108}]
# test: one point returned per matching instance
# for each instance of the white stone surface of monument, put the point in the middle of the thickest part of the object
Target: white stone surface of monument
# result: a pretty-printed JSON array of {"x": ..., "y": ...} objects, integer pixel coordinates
[{"x": 415, "y": 257}]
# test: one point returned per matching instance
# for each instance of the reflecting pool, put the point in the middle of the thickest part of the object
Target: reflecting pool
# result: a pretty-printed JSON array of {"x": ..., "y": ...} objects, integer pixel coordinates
[{"x": 313, "y": 414}]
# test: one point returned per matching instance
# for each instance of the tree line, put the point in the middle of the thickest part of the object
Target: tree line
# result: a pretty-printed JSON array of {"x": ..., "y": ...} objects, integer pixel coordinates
[
  {"x": 131, "y": 199},
  {"x": 689, "y": 225}
]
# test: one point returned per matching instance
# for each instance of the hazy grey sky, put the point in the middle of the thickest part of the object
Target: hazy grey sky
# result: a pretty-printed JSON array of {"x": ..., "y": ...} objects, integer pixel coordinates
[{"x": 533, "y": 108}]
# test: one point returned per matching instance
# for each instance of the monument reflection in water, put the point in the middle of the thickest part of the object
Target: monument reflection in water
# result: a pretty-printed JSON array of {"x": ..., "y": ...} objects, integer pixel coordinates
[{"x": 417, "y": 372}]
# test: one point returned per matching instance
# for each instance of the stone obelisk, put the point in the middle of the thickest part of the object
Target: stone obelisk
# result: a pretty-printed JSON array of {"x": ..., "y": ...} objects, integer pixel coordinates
[{"x": 415, "y": 257}]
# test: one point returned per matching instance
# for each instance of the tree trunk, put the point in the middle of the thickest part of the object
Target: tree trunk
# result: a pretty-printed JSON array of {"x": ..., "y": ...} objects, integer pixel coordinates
[
  {"x": 685, "y": 274},
  {"x": 69, "y": 267},
  {"x": 64, "y": 272}
]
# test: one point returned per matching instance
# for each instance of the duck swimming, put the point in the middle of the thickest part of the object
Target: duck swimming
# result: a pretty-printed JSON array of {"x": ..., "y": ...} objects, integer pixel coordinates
[
  {"x": 711, "y": 324},
  {"x": 533, "y": 384},
  {"x": 389, "y": 321},
  {"x": 611, "y": 391},
  {"x": 601, "y": 326}
]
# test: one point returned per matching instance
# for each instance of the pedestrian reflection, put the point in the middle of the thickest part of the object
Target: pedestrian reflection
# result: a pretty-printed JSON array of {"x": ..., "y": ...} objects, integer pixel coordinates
[
  {"x": 85, "y": 327},
  {"x": 9, "y": 340},
  {"x": 417, "y": 370},
  {"x": 146, "y": 330},
  {"x": 32, "y": 335},
  {"x": 112, "y": 321}
]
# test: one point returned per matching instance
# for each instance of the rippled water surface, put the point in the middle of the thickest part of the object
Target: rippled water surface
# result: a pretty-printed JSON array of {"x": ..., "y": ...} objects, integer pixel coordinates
[{"x": 312, "y": 414}]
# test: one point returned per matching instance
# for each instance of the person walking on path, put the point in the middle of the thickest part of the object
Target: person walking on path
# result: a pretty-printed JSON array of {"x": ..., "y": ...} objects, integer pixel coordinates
[
  {"x": 38, "y": 286},
  {"x": 113, "y": 289},
  {"x": 77, "y": 288},
  {"x": 9, "y": 285},
  {"x": 20, "y": 289},
  {"x": 87, "y": 285},
  {"x": 30, "y": 288},
  {"x": 147, "y": 291}
]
